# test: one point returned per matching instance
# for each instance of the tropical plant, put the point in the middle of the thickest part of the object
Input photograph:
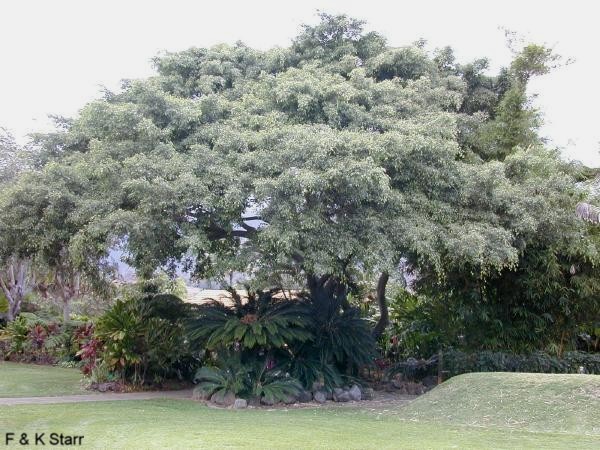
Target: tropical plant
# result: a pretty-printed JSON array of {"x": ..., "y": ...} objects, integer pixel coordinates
[
  {"x": 307, "y": 366},
  {"x": 341, "y": 338},
  {"x": 144, "y": 338},
  {"x": 220, "y": 381},
  {"x": 274, "y": 386},
  {"x": 262, "y": 321}
]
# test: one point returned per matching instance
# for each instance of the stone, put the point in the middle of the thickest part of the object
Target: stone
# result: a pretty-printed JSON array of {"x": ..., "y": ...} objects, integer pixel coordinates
[
  {"x": 108, "y": 386},
  {"x": 317, "y": 386},
  {"x": 240, "y": 403},
  {"x": 414, "y": 388},
  {"x": 254, "y": 402},
  {"x": 289, "y": 399},
  {"x": 389, "y": 387},
  {"x": 398, "y": 383},
  {"x": 368, "y": 394},
  {"x": 342, "y": 396},
  {"x": 226, "y": 399},
  {"x": 200, "y": 395},
  {"x": 430, "y": 381},
  {"x": 305, "y": 396},
  {"x": 267, "y": 401},
  {"x": 355, "y": 393},
  {"x": 320, "y": 397}
]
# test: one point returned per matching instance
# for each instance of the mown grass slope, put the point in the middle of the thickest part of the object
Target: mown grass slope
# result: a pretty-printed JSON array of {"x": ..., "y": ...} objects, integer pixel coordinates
[{"x": 514, "y": 401}]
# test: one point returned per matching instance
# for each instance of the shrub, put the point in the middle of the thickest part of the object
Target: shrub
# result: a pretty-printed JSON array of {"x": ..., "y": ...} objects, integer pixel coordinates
[
  {"x": 35, "y": 338},
  {"x": 261, "y": 322},
  {"x": 456, "y": 362},
  {"x": 256, "y": 380},
  {"x": 310, "y": 340},
  {"x": 144, "y": 339},
  {"x": 220, "y": 381},
  {"x": 342, "y": 343}
]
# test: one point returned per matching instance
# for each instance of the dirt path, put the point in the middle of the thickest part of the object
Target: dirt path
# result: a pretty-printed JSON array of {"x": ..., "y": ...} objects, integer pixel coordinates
[{"x": 100, "y": 397}]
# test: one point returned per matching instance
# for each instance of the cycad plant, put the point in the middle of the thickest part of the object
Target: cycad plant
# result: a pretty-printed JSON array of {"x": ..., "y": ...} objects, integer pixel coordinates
[
  {"x": 261, "y": 322},
  {"x": 342, "y": 342}
]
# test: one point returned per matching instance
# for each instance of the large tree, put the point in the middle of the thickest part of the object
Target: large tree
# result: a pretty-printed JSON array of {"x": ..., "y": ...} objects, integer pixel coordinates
[{"x": 318, "y": 165}]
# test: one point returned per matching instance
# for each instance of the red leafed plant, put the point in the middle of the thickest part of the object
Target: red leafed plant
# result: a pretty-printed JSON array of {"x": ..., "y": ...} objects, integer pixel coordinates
[
  {"x": 37, "y": 336},
  {"x": 89, "y": 354},
  {"x": 89, "y": 346}
]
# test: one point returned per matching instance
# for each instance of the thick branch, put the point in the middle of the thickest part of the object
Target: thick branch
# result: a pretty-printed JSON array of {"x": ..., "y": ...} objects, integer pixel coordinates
[
  {"x": 384, "y": 316},
  {"x": 6, "y": 290}
]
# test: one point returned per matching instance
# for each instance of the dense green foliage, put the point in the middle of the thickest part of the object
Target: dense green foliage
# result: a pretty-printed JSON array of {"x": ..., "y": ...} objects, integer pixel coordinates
[
  {"x": 144, "y": 339},
  {"x": 322, "y": 166},
  {"x": 268, "y": 346},
  {"x": 259, "y": 322},
  {"x": 455, "y": 362}
]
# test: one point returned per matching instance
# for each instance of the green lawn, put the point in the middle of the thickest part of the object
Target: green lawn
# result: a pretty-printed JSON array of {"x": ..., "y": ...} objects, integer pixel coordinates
[
  {"x": 517, "y": 401},
  {"x": 28, "y": 380},
  {"x": 493, "y": 410},
  {"x": 184, "y": 424}
]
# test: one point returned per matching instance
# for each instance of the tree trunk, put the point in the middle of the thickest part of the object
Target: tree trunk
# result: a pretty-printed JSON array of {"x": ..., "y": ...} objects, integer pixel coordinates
[
  {"x": 328, "y": 289},
  {"x": 15, "y": 286},
  {"x": 66, "y": 311},
  {"x": 384, "y": 316}
]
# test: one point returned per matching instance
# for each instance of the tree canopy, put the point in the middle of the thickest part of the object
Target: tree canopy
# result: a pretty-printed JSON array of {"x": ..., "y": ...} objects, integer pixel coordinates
[{"x": 319, "y": 164}]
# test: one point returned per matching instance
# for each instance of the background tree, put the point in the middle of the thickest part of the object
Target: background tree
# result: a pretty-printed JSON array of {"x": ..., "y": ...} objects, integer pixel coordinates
[{"x": 15, "y": 269}]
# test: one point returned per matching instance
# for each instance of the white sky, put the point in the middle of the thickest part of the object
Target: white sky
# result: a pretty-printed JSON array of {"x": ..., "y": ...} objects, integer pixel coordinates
[{"x": 57, "y": 54}]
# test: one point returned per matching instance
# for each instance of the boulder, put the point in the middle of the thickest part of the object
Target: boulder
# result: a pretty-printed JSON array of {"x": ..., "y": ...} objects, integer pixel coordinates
[
  {"x": 226, "y": 399},
  {"x": 289, "y": 399},
  {"x": 342, "y": 396},
  {"x": 337, "y": 391},
  {"x": 414, "y": 388},
  {"x": 368, "y": 394},
  {"x": 317, "y": 386},
  {"x": 398, "y": 383},
  {"x": 110, "y": 386},
  {"x": 200, "y": 395},
  {"x": 320, "y": 397},
  {"x": 240, "y": 403},
  {"x": 430, "y": 381},
  {"x": 254, "y": 401},
  {"x": 355, "y": 393},
  {"x": 305, "y": 396},
  {"x": 267, "y": 401}
]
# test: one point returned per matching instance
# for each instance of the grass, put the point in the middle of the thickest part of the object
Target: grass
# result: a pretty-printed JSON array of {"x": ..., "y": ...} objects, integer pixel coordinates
[
  {"x": 184, "y": 424},
  {"x": 493, "y": 410},
  {"x": 514, "y": 401},
  {"x": 28, "y": 380}
]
